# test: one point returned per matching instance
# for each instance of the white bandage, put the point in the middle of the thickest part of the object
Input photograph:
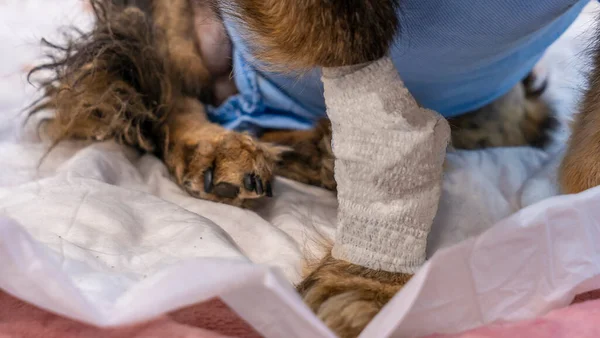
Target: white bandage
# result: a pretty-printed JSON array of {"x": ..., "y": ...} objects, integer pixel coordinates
[{"x": 389, "y": 158}]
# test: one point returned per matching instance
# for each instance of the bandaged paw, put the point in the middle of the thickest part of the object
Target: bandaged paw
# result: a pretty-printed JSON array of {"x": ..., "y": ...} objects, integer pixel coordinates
[{"x": 389, "y": 158}]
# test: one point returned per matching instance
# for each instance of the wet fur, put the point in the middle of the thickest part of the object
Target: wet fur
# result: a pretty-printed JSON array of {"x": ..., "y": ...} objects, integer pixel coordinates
[{"x": 139, "y": 78}]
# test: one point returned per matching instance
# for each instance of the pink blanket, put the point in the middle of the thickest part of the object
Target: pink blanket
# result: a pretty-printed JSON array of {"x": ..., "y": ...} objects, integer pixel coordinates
[
  {"x": 212, "y": 319},
  {"x": 579, "y": 320}
]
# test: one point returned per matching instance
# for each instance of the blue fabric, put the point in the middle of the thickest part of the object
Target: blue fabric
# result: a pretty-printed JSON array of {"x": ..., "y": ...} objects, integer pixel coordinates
[{"x": 453, "y": 55}]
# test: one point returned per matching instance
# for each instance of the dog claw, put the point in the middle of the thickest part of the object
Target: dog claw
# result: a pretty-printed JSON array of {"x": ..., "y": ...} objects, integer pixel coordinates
[
  {"x": 249, "y": 183},
  {"x": 208, "y": 180},
  {"x": 259, "y": 185},
  {"x": 269, "y": 190}
]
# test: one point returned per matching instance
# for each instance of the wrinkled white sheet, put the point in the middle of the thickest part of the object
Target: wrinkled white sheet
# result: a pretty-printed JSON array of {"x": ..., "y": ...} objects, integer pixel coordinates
[{"x": 101, "y": 234}]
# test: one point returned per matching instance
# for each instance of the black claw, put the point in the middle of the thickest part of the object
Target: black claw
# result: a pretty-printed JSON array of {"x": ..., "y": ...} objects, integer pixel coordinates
[
  {"x": 226, "y": 190},
  {"x": 208, "y": 180},
  {"x": 259, "y": 185},
  {"x": 269, "y": 190},
  {"x": 249, "y": 182}
]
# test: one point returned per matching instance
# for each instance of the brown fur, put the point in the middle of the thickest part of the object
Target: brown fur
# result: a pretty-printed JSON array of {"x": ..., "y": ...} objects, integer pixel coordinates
[
  {"x": 194, "y": 146},
  {"x": 518, "y": 118},
  {"x": 121, "y": 82},
  {"x": 175, "y": 18},
  {"x": 347, "y": 296},
  {"x": 104, "y": 87},
  {"x": 580, "y": 169},
  {"x": 308, "y": 33},
  {"x": 138, "y": 77},
  {"x": 311, "y": 161}
]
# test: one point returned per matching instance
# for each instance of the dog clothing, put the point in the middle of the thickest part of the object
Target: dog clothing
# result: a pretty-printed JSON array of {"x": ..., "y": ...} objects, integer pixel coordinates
[{"x": 454, "y": 56}]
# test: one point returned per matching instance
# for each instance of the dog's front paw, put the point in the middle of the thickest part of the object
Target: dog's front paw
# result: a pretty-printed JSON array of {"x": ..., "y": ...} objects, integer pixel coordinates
[
  {"x": 226, "y": 167},
  {"x": 346, "y": 296}
]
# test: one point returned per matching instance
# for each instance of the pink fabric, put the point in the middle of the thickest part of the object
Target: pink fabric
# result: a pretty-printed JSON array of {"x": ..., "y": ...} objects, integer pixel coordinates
[
  {"x": 579, "y": 320},
  {"x": 212, "y": 319}
]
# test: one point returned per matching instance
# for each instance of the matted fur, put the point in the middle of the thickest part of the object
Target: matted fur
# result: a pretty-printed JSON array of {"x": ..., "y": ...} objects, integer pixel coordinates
[
  {"x": 130, "y": 80},
  {"x": 109, "y": 83}
]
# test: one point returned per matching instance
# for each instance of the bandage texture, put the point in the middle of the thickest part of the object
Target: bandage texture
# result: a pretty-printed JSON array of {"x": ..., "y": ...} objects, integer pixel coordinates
[{"x": 389, "y": 158}]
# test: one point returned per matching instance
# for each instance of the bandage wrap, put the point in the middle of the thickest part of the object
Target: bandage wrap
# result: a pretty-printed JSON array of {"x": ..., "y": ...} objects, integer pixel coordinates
[{"x": 389, "y": 158}]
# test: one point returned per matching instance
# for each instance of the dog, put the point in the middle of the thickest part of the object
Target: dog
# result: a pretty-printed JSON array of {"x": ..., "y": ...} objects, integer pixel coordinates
[{"x": 143, "y": 77}]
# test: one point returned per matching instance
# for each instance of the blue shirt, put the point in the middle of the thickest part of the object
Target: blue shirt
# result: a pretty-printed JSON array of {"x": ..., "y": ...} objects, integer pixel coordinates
[{"x": 454, "y": 56}]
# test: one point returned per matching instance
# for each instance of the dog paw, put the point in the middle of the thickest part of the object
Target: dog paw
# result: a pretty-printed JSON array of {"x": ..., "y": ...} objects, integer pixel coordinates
[
  {"x": 346, "y": 296},
  {"x": 310, "y": 159},
  {"x": 228, "y": 167}
]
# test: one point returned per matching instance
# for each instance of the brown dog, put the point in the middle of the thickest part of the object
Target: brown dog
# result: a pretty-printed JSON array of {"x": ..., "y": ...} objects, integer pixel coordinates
[{"x": 141, "y": 76}]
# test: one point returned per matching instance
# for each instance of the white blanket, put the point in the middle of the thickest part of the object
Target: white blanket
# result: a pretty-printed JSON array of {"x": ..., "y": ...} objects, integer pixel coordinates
[{"x": 101, "y": 234}]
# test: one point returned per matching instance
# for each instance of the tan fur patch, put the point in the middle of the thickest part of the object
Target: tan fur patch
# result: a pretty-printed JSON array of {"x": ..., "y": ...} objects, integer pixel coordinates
[
  {"x": 308, "y": 33},
  {"x": 513, "y": 120},
  {"x": 194, "y": 146},
  {"x": 175, "y": 19},
  {"x": 347, "y": 296},
  {"x": 580, "y": 169}
]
